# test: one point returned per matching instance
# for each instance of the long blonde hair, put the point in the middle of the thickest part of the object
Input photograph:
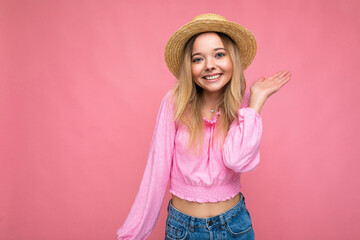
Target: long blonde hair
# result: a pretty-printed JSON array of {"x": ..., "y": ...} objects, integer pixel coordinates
[{"x": 188, "y": 101}]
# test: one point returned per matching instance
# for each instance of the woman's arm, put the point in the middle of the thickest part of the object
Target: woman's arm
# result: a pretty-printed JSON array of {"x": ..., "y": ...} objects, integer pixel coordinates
[
  {"x": 241, "y": 149},
  {"x": 146, "y": 208}
]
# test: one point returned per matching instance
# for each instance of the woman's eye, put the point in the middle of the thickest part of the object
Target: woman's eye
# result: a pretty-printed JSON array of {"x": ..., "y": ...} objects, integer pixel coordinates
[
  {"x": 220, "y": 54},
  {"x": 197, "y": 60}
]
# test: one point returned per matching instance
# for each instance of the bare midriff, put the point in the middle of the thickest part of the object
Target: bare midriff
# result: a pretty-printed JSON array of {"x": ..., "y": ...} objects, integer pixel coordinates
[{"x": 203, "y": 210}]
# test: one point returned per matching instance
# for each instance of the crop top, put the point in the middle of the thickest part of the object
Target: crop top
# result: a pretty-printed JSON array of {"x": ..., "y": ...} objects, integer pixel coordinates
[{"x": 212, "y": 176}]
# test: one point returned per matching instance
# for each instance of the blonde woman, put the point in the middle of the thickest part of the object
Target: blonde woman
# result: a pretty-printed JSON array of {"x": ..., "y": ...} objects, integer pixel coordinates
[{"x": 208, "y": 132}]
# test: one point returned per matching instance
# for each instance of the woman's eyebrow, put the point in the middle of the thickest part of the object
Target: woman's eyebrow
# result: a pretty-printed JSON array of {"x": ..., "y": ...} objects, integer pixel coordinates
[
  {"x": 195, "y": 54},
  {"x": 215, "y": 49}
]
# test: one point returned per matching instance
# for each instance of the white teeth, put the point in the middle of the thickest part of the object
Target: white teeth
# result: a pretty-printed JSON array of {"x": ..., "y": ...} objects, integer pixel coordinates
[{"x": 213, "y": 77}]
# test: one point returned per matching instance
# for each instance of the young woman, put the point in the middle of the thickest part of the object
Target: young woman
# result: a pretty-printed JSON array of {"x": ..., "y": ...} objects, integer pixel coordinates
[{"x": 208, "y": 131}]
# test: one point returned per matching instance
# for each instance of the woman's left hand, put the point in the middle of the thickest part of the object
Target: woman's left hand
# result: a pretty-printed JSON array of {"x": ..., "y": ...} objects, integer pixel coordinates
[
  {"x": 268, "y": 86},
  {"x": 263, "y": 88}
]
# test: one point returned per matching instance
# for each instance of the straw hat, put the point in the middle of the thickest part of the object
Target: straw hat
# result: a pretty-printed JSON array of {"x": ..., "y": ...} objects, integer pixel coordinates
[{"x": 208, "y": 22}]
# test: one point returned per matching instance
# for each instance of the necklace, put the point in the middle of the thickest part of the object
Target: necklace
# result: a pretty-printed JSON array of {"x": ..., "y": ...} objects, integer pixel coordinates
[{"x": 212, "y": 110}]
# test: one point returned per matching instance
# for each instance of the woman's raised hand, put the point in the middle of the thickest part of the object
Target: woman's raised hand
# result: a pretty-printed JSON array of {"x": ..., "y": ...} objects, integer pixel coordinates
[
  {"x": 263, "y": 88},
  {"x": 270, "y": 85}
]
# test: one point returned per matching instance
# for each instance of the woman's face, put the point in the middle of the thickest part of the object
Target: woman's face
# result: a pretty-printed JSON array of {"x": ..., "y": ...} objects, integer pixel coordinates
[{"x": 210, "y": 63}]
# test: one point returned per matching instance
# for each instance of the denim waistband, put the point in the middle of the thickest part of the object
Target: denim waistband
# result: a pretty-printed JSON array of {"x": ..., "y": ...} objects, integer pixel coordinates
[{"x": 209, "y": 222}]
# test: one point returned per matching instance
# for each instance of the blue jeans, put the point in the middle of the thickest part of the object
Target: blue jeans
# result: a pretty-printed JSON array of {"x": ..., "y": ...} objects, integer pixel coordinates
[{"x": 235, "y": 223}]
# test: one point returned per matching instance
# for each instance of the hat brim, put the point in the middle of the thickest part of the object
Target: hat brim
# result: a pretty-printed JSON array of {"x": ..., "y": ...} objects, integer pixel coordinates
[{"x": 243, "y": 38}]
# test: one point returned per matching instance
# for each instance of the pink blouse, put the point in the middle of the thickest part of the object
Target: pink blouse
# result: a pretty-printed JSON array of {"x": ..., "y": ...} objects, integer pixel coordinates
[{"x": 213, "y": 176}]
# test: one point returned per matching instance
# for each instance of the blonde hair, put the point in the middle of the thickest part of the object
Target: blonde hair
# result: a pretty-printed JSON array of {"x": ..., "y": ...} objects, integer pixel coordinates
[{"x": 188, "y": 101}]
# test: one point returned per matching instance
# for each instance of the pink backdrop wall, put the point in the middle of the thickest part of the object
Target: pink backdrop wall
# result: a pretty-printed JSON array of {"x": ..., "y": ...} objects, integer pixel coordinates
[{"x": 80, "y": 87}]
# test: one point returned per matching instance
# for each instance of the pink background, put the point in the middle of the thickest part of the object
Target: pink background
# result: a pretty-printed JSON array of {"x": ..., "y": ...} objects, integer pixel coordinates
[{"x": 81, "y": 83}]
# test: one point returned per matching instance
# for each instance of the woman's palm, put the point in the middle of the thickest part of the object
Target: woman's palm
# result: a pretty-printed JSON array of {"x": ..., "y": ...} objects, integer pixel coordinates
[{"x": 270, "y": 85}]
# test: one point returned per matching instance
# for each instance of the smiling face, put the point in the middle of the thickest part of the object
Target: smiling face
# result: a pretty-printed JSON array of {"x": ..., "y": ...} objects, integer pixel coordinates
[{"x": 211, "y": 64}]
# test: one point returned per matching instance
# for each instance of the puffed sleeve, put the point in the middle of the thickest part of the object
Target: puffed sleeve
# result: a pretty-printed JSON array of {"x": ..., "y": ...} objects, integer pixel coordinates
[
  {"x": 241, "y": 149},
  {"x": 147, "y": 205}
]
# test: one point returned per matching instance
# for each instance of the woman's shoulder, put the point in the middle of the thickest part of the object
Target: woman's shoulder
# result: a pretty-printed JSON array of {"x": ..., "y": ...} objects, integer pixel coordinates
[
  {"x": 168, "y": 105},
  {"x": 168, "y": 97},
  {"x": 168, "y": 94},
  {"x": 168, "y": 100}
]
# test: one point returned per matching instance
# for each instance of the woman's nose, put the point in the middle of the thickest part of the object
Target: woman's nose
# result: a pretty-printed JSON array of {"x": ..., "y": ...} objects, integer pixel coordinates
[{"x": 210, "y": 64}]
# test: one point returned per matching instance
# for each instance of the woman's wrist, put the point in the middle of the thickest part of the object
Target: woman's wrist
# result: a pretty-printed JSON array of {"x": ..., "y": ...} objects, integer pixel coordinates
[
  {"x": 257, "y": 102},
  {"x": 256, "y": 107}
]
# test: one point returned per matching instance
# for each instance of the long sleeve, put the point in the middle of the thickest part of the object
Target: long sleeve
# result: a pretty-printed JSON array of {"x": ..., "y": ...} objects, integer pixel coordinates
[
  {"x": 241, "y": 149},
  {"x": 147, "y": 205}
]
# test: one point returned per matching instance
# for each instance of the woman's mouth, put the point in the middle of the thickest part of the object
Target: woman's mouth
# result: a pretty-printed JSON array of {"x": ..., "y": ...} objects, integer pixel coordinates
[{"x": 212, "y": 78}]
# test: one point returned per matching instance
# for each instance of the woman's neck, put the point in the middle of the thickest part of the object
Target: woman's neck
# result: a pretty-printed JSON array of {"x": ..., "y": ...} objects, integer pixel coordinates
[{"x": 211, "y": 100}]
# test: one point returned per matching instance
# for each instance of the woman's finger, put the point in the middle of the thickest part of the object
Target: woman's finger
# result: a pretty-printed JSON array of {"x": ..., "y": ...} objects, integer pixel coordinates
[
  {"x": 285, "y": 80},
  {"x": 278, "y": 74},
  {"x": 275, "y": 75},
  {"x": 281, "y": 76}
]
